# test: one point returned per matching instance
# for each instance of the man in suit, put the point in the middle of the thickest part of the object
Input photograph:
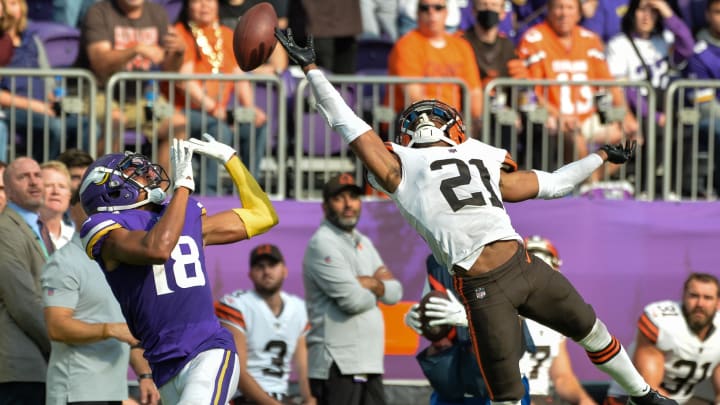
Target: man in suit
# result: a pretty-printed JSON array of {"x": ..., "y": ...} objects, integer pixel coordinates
[{"x": 24, "y": 344}]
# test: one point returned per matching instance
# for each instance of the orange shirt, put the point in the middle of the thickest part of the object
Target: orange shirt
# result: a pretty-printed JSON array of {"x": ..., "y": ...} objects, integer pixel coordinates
[
  {"x": 414, "y": 56},
  {"x": 193, "y": 52},
  {"x": 548, "y": 58}
]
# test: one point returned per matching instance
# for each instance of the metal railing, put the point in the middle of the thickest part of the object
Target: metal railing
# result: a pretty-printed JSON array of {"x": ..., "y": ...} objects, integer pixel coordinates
[{"x": 512, "y": 121}]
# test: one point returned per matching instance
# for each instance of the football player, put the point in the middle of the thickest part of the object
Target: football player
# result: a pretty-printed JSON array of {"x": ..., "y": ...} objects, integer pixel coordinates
[
  {"x": 677, "y": 345},
  {"x": 152, "y": 253},
  {"x": 548, "y": 368},
  {"x": 269, "y": 328},
  {"x": 452, "y": 190}
]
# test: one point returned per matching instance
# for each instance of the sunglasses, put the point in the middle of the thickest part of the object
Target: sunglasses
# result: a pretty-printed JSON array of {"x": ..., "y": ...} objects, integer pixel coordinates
[{"x": 426, "y": 7}]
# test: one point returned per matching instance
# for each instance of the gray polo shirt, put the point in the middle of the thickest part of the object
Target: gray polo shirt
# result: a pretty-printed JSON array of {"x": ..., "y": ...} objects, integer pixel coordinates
[
  {"x": 346, "y": 326},
  {"x": 83, "y": 372}
]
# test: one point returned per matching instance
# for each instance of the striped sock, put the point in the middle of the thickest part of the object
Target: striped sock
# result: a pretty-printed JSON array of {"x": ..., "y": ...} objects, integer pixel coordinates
[{"x": 606, "y": 352}]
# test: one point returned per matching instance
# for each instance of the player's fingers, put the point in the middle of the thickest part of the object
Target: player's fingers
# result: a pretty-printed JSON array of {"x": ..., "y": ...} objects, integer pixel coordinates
[
  {"x": 437, "y": 322},
  {"x": 289, "y": 35},
  {"x": 437, "y": 300},
  {"x": 436, "y": 314},
  {"x": 207, "y": 137},
  {"x": 310, "y": 41}
]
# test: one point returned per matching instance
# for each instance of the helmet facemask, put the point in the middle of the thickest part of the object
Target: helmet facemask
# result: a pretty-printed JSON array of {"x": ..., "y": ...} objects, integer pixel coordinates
[{"x": 430, "y": 121}]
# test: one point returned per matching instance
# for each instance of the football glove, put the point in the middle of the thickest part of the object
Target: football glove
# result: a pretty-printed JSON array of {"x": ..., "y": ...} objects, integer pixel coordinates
[
  {"x": 181, "y": 163},
  {"x": 412, "y": 319},
  {"x": 447, "y": 311},
  {"x": 303, "y": 56},
  {"x": 211, "y": 147},
  {"x": 620, "y": 154}
]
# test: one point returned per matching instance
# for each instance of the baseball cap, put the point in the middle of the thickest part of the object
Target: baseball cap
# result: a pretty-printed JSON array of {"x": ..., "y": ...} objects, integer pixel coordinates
[
  {"x": 341, "y": 182},
  {"x": 265, "y": 251}
]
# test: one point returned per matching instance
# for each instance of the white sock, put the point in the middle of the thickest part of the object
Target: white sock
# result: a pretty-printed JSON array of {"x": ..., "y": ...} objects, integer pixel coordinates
[{"x": 609, "y": 356}]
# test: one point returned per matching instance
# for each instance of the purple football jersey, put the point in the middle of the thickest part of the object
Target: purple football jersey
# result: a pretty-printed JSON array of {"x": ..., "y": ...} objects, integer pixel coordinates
[{"x": 169, "y": 307}]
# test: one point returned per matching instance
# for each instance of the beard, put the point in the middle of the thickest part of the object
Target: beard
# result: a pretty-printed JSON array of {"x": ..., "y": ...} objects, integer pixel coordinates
[
  {"x": 344, "y": 223},
  {"x": 697, "y": 325},
  {"x": 269, "y": 290}
]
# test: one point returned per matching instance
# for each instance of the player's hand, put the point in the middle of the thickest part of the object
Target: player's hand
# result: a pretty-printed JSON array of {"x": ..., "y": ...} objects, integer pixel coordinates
[
  {"x": 412, "y": 319},
  {"x": 303, "y": 56},
  {"x": 618, "y": 153},
  {"x": 447, "y": 311},
  {"x": 120, "y": 331},
  {"x": 149, "y": 394},
  {"x": 181, "y": 163},
  {"x": 211, "y": 147}
]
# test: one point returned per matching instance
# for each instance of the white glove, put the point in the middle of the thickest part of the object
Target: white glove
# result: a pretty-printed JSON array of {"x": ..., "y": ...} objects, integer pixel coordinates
[
  {"x": 211, "y": 147},
  {"x": 181, "y": 163},
  {"x": 448, "y": 312},
  {"x": 412, "y": 319}
]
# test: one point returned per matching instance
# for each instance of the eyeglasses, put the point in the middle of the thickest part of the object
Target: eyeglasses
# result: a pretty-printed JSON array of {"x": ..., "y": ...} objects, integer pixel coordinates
[{"x": 426, "y": 7}]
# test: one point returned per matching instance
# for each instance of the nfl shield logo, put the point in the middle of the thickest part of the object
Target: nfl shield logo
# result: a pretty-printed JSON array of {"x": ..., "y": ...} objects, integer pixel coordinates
[{"x": 480, "y": 293}]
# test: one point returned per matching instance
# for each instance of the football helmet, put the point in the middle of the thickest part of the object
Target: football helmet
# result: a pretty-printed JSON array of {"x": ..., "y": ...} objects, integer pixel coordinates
[
  {"x": 429, "y": 121},
  {"x": 544, "y": 249},
  {"x": 115, "y": 181}
]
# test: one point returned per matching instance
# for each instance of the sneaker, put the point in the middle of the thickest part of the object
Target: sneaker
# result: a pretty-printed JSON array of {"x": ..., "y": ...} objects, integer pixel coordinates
[{"x": 651, "y": 398}]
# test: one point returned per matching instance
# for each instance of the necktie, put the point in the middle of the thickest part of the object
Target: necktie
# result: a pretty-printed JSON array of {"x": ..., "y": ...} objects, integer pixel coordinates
[{"x": 45, "y": 234}]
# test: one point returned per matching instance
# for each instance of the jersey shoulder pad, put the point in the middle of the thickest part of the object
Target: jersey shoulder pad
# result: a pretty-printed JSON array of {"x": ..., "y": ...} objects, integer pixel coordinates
[{"x": 509, "y": 165}]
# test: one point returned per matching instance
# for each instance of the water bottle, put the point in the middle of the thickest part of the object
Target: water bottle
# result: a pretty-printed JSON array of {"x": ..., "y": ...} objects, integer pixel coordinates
[
  {"x": 150, "y": 97},
  {"x": 58, "y": 95}
]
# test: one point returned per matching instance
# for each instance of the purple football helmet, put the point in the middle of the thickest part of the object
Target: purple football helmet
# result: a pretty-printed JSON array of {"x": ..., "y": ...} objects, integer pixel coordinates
[{"x": 115, "y": 181}]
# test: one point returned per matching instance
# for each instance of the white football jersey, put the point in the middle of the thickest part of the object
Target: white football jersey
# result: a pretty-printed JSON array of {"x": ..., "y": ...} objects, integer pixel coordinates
[
  {"x": 451, "y": 196},
  {"x": 536, "y": 366},
  {"x": 688, "y": 360},
  {"x": 271, "y": 340}
]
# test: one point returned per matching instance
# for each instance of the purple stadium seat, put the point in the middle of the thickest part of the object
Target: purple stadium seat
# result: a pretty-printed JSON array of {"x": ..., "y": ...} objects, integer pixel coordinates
[
  {"x": 172, "y": 7},
  {"x": 61, "y": 42},
  {"x": 373, "y": 53}
]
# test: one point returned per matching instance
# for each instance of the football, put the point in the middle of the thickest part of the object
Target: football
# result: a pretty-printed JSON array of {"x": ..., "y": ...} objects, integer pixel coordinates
[
  {"x": 254, "y": 36},
  {"x": 432, "y": 333}
]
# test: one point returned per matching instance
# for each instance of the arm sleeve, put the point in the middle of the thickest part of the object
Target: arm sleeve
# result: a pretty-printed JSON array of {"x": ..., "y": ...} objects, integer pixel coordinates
[
  {"x": 684, "y": 42},
  {"x": 257, "y": 212}
]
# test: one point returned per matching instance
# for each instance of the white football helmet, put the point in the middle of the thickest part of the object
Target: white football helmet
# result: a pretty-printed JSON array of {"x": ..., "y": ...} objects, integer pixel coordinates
[{"x": 429, "y": 121}]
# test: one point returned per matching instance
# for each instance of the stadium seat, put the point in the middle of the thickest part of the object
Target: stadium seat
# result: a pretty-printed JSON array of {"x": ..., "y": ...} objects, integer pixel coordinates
[
  {"x": 62, "y": 42},
  {"x": 373, "y": 53},
  {"x": 172, "y": 7}
]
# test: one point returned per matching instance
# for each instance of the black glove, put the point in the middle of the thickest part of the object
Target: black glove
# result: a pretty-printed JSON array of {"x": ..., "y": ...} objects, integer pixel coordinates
[
  {"x": 619, "y": 154},
  {"x": 303, "y": 56}
]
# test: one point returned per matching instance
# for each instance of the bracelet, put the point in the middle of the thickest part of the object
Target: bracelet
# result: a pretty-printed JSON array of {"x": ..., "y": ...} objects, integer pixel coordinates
[{"x": 143, "y": 376}]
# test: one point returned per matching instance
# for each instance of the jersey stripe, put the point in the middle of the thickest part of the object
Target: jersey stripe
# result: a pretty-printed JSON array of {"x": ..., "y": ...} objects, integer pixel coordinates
[
  {"x": 220, "y": 388},
  {"x": 606, "y": 354},
  {"x": 648, "y": 328},
  {"x": 229, "y": 314},
  {"x": 509, "y": 165},
  {"x": 97, "y": 233}
]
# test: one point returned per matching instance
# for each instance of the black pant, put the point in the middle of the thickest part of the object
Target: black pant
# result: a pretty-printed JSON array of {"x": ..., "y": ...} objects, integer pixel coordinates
[
  {"x": 347, "y": 390},
  {"x": 22, "y": 393},
  {"x": 527, "y": 286}
]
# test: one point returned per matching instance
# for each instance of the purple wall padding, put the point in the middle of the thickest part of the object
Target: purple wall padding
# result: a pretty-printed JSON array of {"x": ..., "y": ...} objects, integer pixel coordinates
[{"x": 620, "y": 255}]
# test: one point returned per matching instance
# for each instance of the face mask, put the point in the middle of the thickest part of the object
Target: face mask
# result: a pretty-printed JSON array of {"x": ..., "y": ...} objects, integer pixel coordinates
[{"x": 488, "y": 18}]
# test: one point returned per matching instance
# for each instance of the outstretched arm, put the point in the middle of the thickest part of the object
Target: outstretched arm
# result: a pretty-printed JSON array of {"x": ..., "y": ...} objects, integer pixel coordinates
[
  {"x": 526, "y": 184},
  {"x": 257, "y": 214},
  {"x": 361, "y": 138}
]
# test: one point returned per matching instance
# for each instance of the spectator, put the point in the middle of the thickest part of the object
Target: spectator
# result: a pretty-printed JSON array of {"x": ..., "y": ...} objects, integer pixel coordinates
[
  {"x": 70, "y": 12},
  {"x": 335, "y": 26},
  {"x": 559, "y": 49},
  {"x": 641, "y": 52},
  {"x": 704, "y": 64},
  {"x": 56, "y": 202},
  {"x": 449, "y": 363},
  {"x": 269, "y": 328},
  {"x": 344, "y": 277},
  {"x": 677, "y": 344},
  {"x": 603, "y": 17},
  {"x": 423, "y": 173},
  {"x": 549, "y": 370},
  {"x": 231, "y": 10},
  {"x": 379, "y": 19},
  {"x": 133, "y": 233},
  {"x": 6, "y": 43},
  {"x": 408, "y": 11},
  {"x": 76, "y": 161},
  {"x": 209, "y": 49},
  {"x": 430, "y": 51},
  {"x": 3, "y": 198},
  {"x": 24, "y": 344},
  {"x": 89, "y": 337},
  {"x": 31, "y": 100},
  {"x": 133, "y": 36}
]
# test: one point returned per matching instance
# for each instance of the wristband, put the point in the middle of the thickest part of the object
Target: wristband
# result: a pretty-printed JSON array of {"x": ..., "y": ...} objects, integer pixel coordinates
[{"x": 143, "y": 376}]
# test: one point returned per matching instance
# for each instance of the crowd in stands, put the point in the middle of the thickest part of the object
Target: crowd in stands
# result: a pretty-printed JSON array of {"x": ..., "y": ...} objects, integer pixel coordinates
[{"x": 657, "y": 41}]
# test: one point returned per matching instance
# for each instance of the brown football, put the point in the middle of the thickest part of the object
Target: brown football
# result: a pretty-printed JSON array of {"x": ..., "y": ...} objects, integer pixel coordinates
[
  {"x": 254, "y": 36},
  {"x": 432, "y": 333}
]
